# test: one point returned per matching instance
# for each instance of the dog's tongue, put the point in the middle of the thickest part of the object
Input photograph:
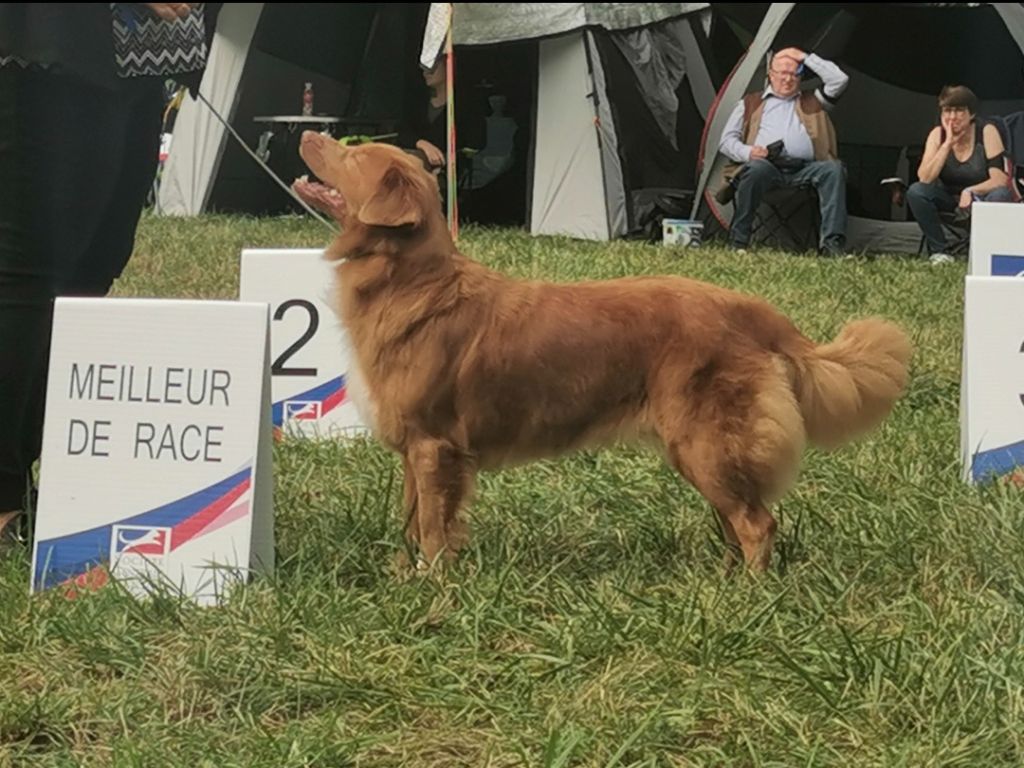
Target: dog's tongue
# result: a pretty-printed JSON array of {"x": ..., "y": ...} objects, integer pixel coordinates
[{"x": 325, "y": 199}]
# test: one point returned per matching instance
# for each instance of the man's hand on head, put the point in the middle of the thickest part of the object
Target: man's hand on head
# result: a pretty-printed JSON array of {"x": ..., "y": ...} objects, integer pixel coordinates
[{"x": 792, "y": 53}]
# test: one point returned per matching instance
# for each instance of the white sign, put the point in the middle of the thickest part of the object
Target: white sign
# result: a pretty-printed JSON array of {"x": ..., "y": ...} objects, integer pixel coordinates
[
  {"x": 997, "y": 240},
  {"x": 156, "y": 460},
  {"x": 992, "y": 401},
  {"x": 309, "y": 348}
]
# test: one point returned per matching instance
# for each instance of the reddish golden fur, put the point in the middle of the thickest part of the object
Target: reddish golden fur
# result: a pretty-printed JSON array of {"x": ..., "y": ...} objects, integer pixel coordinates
[{"x": 467, "y": 369}]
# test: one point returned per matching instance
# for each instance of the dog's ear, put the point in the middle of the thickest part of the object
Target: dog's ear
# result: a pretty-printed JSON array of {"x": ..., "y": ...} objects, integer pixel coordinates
[{"x": 395, "y": 203}]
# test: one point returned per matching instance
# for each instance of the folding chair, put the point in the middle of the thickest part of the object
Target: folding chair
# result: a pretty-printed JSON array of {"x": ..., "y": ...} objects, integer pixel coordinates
[
  {"x": 1011, "y": 129},
  {"x": 957, "y": 229},
  {"x": 789, "y": 218}
]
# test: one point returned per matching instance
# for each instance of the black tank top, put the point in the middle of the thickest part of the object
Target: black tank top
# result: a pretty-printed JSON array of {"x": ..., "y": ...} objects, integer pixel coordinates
[{"x": 957, "y": 176}]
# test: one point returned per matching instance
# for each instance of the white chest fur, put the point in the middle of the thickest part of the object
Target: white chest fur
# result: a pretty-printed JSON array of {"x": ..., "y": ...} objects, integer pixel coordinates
[
  {"x": 357, "y": 388},
  {"x": 358, "y": 391}
]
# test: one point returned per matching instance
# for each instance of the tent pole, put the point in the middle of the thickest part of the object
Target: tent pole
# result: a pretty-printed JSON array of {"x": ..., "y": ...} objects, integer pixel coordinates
[{"x": 453, "y": 177}]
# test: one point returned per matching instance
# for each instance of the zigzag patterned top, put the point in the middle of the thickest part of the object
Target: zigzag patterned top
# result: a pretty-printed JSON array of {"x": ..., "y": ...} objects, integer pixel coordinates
[
  {"x": 16, "y": 61},
  {"x": 145, "y": 44}
]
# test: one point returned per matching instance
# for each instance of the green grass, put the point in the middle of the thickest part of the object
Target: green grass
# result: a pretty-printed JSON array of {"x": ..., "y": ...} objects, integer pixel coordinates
[{"x": 589, "y": 623}]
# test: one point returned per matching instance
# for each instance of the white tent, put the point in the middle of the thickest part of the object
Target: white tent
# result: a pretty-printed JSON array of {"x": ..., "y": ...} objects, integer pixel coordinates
[
  {"x": 579, "y": 187},
  {"x": 261, "y": 56},
  {"x": 199, "y": 138},
  {"x": 620, "y": 93}
]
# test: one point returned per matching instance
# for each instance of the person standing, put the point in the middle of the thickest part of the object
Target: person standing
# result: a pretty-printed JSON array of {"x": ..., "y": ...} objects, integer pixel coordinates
[{"x": 81, "y": 100}]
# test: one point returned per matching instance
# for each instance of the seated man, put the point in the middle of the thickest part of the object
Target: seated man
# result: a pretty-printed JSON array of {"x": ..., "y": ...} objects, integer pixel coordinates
[{"x": 808, "y": 152}]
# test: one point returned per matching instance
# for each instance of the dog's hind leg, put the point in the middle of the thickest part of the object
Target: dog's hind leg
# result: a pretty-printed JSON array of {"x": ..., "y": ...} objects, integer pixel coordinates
[
  {"x": 739, "y": 444},
  {"x": 746, "y": 523},
  {"x": 442, "y": 475},
  {"x": 733, "y": 550},
  {"x": 755, "y": 529}
]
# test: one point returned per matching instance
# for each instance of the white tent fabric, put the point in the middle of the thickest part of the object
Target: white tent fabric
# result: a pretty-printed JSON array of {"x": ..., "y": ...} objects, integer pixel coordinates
[
  {"x": 199, "y": 136},
  {"x": 578, "y": 186},
  {"x": 567, "y": 152},
  {"x": 697, "y": 69},
  {"x": 487, "y": 23},
  {"x": 608, "y": 143},
  {"x": 1013, "y": 17}
]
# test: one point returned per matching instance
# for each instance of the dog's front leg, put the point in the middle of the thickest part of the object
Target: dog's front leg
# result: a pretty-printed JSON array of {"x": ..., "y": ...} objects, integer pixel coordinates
[
  {"x": 733, "y": 550},
  {"x": 441, "y": 475},
  {"x": 410, "y": 505},
  {"x": 754, "y": 528}
]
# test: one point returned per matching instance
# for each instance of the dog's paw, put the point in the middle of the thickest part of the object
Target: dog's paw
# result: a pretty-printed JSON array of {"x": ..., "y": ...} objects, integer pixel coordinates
[{"x": 407, "y": 564}]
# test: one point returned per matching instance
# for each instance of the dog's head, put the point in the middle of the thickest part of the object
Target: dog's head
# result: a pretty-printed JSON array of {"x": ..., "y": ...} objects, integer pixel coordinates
[{"x": 377, "y": 185}]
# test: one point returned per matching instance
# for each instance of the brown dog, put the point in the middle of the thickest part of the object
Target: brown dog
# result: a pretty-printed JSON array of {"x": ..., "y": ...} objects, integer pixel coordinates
[{"x": 463, "y": 369}]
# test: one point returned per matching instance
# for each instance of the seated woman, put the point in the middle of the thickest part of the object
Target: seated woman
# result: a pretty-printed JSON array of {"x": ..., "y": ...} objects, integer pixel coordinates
[
  {"x": 424, "y": 133},
  {"x": 427, "y": 131},
  {"x": 961, "y": 163}
]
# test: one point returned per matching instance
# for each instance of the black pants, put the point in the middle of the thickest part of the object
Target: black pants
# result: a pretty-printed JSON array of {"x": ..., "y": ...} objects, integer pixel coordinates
[{"x": 76, "y": 164}]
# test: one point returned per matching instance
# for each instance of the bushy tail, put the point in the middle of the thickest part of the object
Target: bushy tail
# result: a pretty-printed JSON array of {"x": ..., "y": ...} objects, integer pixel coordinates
[{"x": 847, "y": 387}]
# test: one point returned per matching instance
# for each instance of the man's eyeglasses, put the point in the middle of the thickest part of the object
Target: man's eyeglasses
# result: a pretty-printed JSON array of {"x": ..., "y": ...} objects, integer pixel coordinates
[{"x": 781, "y": 73}]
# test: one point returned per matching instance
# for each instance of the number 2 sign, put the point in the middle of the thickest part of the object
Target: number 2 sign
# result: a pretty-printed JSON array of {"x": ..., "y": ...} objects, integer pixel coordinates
[
  {"x": 278, "y": 367},
  {"x": 309, "y": 351}
]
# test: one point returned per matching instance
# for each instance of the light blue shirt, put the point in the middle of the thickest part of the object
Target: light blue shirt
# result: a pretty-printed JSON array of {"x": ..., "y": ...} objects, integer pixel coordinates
[{"x": 780, "y": 120}]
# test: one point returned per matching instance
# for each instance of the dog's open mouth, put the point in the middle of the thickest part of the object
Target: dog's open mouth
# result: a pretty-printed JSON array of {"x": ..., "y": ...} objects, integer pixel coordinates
[{"x": 323, "y": 198}]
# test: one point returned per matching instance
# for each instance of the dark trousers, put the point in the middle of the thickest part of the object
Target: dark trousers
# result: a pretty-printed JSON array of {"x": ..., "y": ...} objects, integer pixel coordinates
[
  {"x": 926, "y": 201},
  {"x": 76, "y": 164},
  {"x": 828, "y": 177}
]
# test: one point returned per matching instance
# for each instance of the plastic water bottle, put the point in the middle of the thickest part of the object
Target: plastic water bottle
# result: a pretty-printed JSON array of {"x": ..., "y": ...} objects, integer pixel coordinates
[{"x": 307, "y": 100}]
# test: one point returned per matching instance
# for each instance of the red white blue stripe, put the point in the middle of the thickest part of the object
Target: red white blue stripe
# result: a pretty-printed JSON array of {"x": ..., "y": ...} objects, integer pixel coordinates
[
  {"x": 330, "y": 395},
  {"x": 986, "y": 465},
  {"x": 190, "y": 518}
]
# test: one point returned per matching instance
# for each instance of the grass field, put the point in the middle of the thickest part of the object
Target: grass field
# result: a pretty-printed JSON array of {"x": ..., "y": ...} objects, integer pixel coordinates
[{"x": 590, "y": 622}]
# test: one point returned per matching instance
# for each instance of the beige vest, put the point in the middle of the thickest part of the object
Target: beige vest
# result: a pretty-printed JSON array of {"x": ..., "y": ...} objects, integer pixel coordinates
[{"x": 815, "y": 119}]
